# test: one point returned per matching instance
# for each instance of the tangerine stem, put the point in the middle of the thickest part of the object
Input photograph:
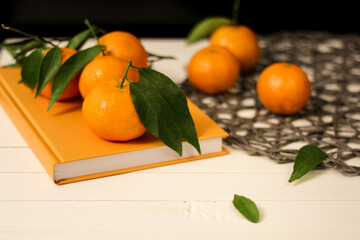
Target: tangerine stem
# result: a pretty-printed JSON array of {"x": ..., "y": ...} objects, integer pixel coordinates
[
  {"x": 235, "y": 16},
  {"x": 40, "y": 39},
  {"x": 87, "y": 22},
  {"x": 125, "y": 74},
  {"x": 157, "y": 58}
]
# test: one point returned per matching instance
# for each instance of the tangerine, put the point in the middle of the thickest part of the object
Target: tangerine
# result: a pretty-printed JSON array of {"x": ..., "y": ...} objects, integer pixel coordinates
[
  {"x": 110, "y": 113},
  {"x": 241, "y": 41},
  {"x": 104, "y": 68},
  {"x": 283, "y": 88},
  {"x": 126, "y": 46},
  {"x": 72, "y": 90},
  {"x": 213, "y": 70}
]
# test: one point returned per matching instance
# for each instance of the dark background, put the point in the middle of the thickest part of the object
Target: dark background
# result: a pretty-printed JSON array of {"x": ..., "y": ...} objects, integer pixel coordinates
[{"x": 175, "y": 18}]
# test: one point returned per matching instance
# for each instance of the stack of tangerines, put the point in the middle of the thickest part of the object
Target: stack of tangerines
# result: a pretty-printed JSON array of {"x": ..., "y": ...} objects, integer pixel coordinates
[
  {"x": 283, "y": 88},
  {"x": 107, "y": 108},
  {"x": 233, "y": 49}
]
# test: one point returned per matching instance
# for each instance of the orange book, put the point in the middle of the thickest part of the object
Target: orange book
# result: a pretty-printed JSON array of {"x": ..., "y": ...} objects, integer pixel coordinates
[{"x": 70, "y": 152}]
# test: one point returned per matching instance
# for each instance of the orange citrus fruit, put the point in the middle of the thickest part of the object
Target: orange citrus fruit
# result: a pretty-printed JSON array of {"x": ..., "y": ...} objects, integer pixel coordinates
[
  {"x": 283, "y": 88},
  {"x": 72, "y": 90},
  {"x": 213, "y": 70},
  {"x": 126, "y": 46},
  {"x": 104, "y": 68},
  {"x": 241, "y": 41},
  {"x": 110, "y": 113}
]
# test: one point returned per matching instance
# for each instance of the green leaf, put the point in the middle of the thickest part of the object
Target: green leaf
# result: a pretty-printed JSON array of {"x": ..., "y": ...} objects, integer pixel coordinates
[
  {"x": 247, "y": 208},
  {"x": 70, "y": 69},
  {"x": 79, "y": 39},
  {"x": 34, "y": 44},
  {"x": 175, "y": 98},
  {"x": 30, "y": 45},
  {"x": 30, "y": 71},
  {"x": 19, "y": 50},
  {"x": 156, "y": 115},
  {"x": 15, "y": 47},
  {"x": 308, "y": 157},
  {"x": 205, "y": 28},
  {"x": 49, "y": 67},
  {"x": 12, "y": 65}
]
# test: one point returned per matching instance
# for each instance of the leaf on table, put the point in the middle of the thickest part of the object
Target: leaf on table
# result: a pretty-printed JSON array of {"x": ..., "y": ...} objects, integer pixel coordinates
[
  {"x": 308, "y": 157},
  {"x": 156, "y": 115},
  {"x": 205, "y": 28},
  {"x": 49, "y": 67},
  {"x": 30, "y": 71},
  {"x": 247, "y": 208},
  {"x": 175, "y": 98},
  {"x": 70, "y": 69}
]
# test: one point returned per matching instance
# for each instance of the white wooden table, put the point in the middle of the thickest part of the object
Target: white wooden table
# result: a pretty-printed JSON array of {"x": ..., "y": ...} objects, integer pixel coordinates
[{"x": 185, "y": 201}]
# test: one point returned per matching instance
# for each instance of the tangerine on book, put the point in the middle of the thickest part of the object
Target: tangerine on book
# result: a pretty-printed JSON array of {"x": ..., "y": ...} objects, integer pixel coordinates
[{"x": 87, "y": 156}]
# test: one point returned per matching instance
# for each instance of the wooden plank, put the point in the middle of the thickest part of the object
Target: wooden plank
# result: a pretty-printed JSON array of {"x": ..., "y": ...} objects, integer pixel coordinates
[
  {"x": 182, "y": 186},
  {"x": 16, "y": 160},
  {"x": 9, "y": 135},
  {"x": 178, "y": 218}
]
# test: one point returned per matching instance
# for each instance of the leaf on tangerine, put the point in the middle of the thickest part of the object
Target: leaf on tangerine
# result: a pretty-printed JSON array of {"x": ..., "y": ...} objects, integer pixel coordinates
[
  {"x": 156, "y": 115},
  {"x": 70, "y": 69},
  {"x": 79, "y": 39},
  {"x": 175, "y": 98},
  {"x": 30, "y": 71},
  {"x": 205, "y": 28},
  {"x": 49, "y": 67}
]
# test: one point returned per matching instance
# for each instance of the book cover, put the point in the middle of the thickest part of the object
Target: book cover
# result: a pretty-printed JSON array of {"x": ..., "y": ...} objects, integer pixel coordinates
[{"x": 70, "y": 152}]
